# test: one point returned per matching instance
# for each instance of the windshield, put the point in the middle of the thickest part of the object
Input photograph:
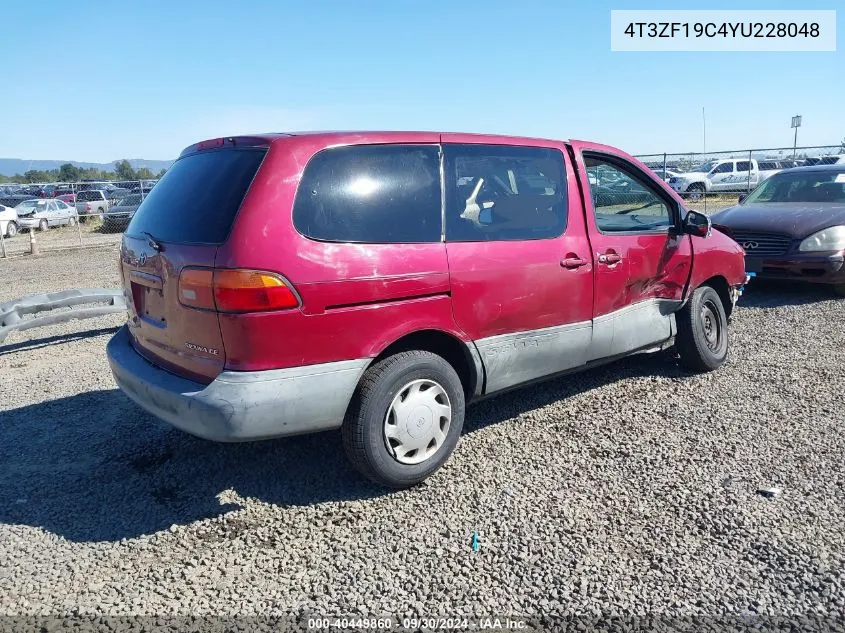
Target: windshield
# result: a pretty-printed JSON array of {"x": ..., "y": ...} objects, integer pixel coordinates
[
  {"x": 706, "y": 167},
  {"x": 810, "y": 186}
]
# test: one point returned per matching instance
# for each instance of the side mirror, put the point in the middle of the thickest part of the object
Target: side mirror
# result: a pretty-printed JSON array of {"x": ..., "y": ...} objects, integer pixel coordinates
[
  {"x": 742, "y": 197},
  {"x": 697, "y": 224}
]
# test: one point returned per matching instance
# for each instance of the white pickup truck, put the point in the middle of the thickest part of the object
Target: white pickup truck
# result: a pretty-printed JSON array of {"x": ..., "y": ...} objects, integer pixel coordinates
[{"x": 729, "y": 174}]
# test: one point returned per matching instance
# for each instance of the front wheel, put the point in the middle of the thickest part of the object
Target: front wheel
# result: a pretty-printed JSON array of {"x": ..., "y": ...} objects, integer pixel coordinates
[
  {"x": 702, "y": 340},
  {"x": 71, "y": 221},
  {"x": 404, "y": 419},
  {"x": 43, "y": 225},
  {"x": 695, "y": 192},
  {"x": 839, "y": 289},
  {"x": 11, "y": 229}
]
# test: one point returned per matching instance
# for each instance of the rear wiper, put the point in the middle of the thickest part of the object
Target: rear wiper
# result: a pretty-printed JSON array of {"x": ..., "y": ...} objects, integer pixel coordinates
[{"x": 151, "y": 241}]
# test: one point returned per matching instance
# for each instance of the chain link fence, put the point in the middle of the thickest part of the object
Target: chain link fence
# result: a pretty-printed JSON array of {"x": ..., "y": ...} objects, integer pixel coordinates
[
  {"x": 50, "y": 216},
  {"x": 712, "y": 181}
]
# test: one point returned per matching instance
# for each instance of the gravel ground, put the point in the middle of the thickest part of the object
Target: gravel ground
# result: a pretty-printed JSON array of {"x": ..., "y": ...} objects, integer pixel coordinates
[{"x": 628, "y": 489}]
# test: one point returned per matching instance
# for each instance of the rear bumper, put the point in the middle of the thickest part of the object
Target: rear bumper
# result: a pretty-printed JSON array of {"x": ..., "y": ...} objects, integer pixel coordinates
[
  {"x": 823, "y": 269},
  {"x": 238, "y": 406}
]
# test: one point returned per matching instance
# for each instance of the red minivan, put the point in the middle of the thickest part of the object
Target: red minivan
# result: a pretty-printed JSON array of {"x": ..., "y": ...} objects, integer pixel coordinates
[{"x": 378, "y": 282}]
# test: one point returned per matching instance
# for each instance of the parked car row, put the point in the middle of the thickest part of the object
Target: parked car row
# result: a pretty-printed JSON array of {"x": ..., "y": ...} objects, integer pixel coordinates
[
  {"x": 35, "y": 213},
  {"x": 734, "y": 175},
  {"x": 113, "y": 189},
  {"x": 115, "y": 206}
]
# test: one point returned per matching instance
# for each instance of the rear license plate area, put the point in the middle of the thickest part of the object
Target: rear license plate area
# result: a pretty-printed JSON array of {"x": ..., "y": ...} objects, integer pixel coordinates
[{"x": 149, "y": 304}]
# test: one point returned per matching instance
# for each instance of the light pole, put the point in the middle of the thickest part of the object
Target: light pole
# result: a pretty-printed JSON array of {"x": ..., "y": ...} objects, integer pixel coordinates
[{"x": 796, "y": 123}]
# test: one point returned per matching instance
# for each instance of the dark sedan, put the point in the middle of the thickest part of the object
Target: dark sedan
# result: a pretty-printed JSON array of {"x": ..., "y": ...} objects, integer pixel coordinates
[{"x": 792, "y": 226}]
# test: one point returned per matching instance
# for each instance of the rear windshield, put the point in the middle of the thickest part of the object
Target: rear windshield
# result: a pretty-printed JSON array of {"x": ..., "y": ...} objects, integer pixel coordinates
[
  {"x": 196, "y": 201},
  {"x": 89, "y": 195},
  {"x": 134, "y": 198}
]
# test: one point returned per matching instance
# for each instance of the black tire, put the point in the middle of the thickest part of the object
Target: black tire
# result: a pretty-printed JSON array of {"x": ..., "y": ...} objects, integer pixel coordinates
[
  {"x": 695, "y": 192},
  {"x": 11, "y": 229},
  {"x": 702, "y": 339},
  {"x": 839, "y": 289},
  {"x": 364, "y": 427},
  {"x": 71, "y": 221},
  {"x": 43, "y": 225}
]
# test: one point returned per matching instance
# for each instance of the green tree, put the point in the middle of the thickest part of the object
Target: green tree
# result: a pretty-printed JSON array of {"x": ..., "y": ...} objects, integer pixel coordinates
[
  {"x": 37, "y": 175},
  {"x": 144, "y": 173},
  {"x": 161, "y": 173},
  {"x": 842, "y": 145},
  {"x": 69, "y": 173},
  {"x": 123, "y": 170}
]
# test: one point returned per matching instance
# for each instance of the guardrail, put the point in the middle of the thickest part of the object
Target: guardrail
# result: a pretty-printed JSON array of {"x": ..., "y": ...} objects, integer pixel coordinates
[{"x": 12, "y": 313}]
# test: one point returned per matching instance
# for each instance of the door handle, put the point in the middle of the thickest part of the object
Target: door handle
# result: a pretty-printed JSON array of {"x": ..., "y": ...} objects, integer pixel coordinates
[
  {"x": 609, "y": 258},
  {"x": 573, "y": 262}
]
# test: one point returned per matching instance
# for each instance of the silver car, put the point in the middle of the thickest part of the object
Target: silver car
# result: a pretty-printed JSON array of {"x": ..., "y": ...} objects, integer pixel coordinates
[
  {"x": 119, "y": 215},
  {"x": 43, "y": 213}
]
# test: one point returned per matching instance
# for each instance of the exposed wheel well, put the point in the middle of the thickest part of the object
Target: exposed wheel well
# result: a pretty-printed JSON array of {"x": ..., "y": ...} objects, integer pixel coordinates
[
  {"x": 720, "y": 285},
  {"x": 454, "y": 351}
]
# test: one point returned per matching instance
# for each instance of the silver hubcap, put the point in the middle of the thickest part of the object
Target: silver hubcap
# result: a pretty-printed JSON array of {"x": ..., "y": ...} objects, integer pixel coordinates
[
  {"x": 417, "y": 422},
  {"x": 12, "y": 230}
]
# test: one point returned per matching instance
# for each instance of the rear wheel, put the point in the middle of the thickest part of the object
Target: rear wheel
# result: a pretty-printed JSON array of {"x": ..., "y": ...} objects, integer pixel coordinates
[
  {"x": 71, "y": 221},
  {"x": 404, "y": 419},
  {"x": 702, "y": 340},
  {"x": 43, "y": 225},
  {"x": 11, "y": 229}
]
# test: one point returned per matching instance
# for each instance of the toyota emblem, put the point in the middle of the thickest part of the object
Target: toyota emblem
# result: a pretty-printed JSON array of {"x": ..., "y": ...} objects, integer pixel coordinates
[{"x": 750, "y": 245}]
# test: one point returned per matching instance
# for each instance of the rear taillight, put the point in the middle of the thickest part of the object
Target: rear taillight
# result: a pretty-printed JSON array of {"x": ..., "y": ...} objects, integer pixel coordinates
[{"x": 227, "y": 290}]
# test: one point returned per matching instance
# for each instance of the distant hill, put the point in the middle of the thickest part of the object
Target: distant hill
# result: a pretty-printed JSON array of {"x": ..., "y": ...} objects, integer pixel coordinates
[{"x": 12, "y": 166}]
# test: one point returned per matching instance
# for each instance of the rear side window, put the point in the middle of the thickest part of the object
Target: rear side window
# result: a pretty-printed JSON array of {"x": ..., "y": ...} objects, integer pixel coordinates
[
  {"x": 502, "y": 192},
  {"x": 743, "y": 165},
  {"x": 196, "y": 201},
  {"x": 371, "y": 194}
]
